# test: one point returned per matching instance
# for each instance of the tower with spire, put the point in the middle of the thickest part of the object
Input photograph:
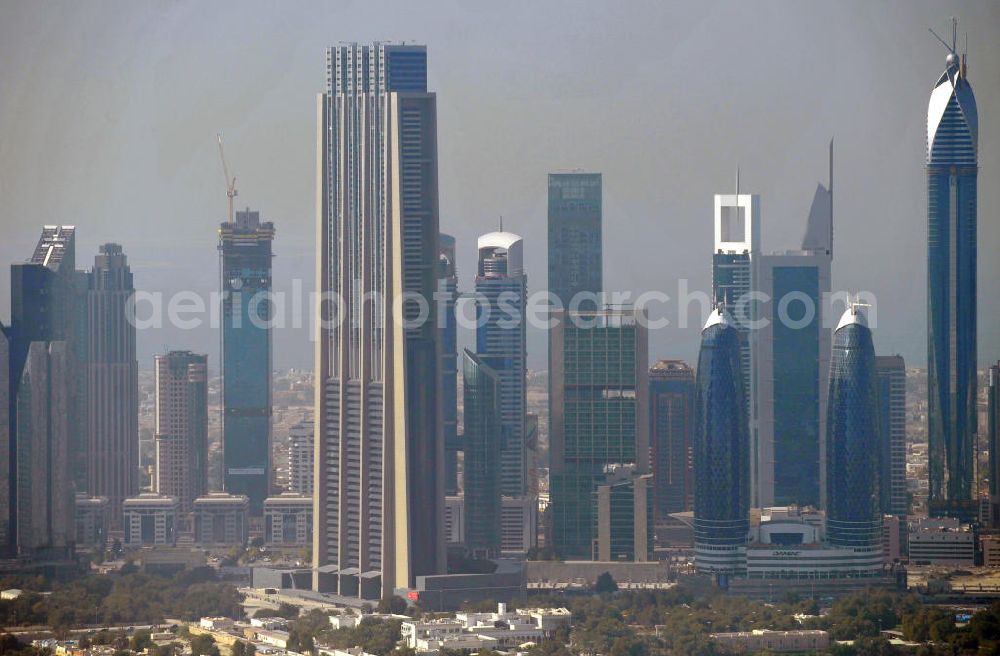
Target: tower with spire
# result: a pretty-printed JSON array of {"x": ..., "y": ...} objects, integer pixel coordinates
[{"x": 952, "y": 171}]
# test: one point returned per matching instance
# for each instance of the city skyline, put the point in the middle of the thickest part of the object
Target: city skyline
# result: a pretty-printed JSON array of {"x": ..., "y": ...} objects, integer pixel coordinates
[{"x": 878, "y": 206}]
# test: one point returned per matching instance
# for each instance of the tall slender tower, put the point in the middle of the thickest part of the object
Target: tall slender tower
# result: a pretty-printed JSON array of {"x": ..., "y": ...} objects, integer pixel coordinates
[
  {"x": 671, "y": 417},
  {"x": 379, "y": 484},
  {"x": 574, "y": 229},
  {"x": 993, "y": 442},
  {"x": 892, "y": 416},
  {"x": 791, "y": 361},
  {"x": 952, "y": 172},
  {"x": 853, "y": 513},
  {"x": 182, "y": 427},
  {"x": 445, "y": 305},
  {"x": 112, "y": 383},
  {"x": 501, "y": 293},
  {"x": 734, "y": 278},
  {"x": 44, "y": 458},
  {"x": 483, "y": 435},
  {"x": 245, "y": 250},
  {"x": 721, "y": 451}
]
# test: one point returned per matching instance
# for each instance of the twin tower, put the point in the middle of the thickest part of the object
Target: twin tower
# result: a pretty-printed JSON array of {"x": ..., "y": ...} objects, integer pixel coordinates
[{"x": 722, "y": 445}]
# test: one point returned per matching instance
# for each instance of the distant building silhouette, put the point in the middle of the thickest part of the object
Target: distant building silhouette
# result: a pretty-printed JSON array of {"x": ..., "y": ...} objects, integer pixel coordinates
[{"x": 112, "y": 383}]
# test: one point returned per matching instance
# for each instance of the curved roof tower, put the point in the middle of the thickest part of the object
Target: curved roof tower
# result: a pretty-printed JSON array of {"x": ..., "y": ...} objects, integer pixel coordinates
[
  {"x": 952, "y": 172},
  {"x": 721, "y": 451},
  {"x": 853, "y": 516}
]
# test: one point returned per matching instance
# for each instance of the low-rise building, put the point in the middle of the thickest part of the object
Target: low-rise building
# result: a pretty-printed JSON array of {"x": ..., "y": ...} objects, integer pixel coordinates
[
  {"x": 288, "y": 520},
  {"x": 216, "y": 623},
  {"x": 991, "y": 550},
  {"x": 92, "y": 521},
  {"x": 805, "y": 640},
  {"x": 150, "y": 519},
  {"x": 942, "y": 541},
  {"x": 221, "y": 519}
]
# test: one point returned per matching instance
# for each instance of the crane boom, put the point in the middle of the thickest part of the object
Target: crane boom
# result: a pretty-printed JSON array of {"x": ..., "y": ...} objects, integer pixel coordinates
[{"x": 231, "y": 192}]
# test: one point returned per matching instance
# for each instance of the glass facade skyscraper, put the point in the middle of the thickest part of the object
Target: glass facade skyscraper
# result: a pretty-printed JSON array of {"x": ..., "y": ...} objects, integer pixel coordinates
[
  {"x": 245, "y": 251},
  {"x": 891, "y": 372},
  {"x": 599, "y": 417},
  {"x": 721, "y": 451},
  {"x": 501, "y": 292},
  {"x": 671, "y": 416},
  {"x": 483, "y": 435},
  {"x": 952, "y": 172},
  {"x": 379, "y": 495},
  {"x": 574, "y": 236},
  {"x": 853, "y": 513}
]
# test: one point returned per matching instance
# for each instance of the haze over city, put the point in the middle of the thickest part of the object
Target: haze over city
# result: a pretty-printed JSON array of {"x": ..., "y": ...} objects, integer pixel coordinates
[{"x": 110, "y": 112}]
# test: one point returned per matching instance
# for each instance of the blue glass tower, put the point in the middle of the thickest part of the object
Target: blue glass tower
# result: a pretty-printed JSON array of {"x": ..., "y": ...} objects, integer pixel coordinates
[
  {"x": 853, "y": 513},
  {"x": 952, "y": 171},
  {"x": 245, "y": 249},
  {"x": 501, "y": 292},
  {"x": 484, "y": 441},
  {"x": 721, "y": 451}
]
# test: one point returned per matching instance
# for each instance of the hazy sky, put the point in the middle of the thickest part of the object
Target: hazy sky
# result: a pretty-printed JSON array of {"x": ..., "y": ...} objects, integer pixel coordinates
[{"x": 109, "y": 110}]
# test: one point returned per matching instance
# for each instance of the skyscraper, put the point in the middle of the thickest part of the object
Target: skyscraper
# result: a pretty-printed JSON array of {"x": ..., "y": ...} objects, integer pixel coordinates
[
  {"x": 599, "y": 421},
  {"x": 501, "y": 297},
  {"x": 45, "y": 310},
  {"x": 301, "y": 457},
  {"x": 447, "y": 297},
  {"x": 483, "y": 435},
  {"x": 791, "y": 360},
  {"x": 181, "y": 430},
  {"x": 737, "y": 245},
  {"x": 993, "y": 441},
  {"x": 245, "y": 251},
  {"x": 952, "y": 172},
  {"x": 853, "y": 515},
  {"x": 46, "y": 522},
  {"x": 501, "y": 292},
  {"x": 574, "y": 234},
  {"x": 112, "y": 383},
  {"x": 379, "y": 494},
  {"x": 891, "y": 371},
  {"x": 721, "y": 451},
  {"x": 671, "y": 416}
]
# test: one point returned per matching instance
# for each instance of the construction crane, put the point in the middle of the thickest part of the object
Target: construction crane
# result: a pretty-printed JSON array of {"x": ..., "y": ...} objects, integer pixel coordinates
[{"x": 231, "y": 192}]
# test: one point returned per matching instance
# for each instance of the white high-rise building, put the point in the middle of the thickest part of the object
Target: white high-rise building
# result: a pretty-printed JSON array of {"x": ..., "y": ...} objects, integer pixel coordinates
[
  {"x": 737, "y": 247},
  {"x": 301, "y": 457},
  {"x": 379, "y": 488}
]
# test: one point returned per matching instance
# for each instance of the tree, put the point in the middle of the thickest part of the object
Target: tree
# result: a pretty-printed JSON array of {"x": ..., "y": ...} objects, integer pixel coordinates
[
  {"x": 394, "y": 605},
  {"x": 140, "y": 640},
  {"x": 203, "y": 645},
  {"x": 243, "y": 648},
  {"x": 605, "y": 584}
]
